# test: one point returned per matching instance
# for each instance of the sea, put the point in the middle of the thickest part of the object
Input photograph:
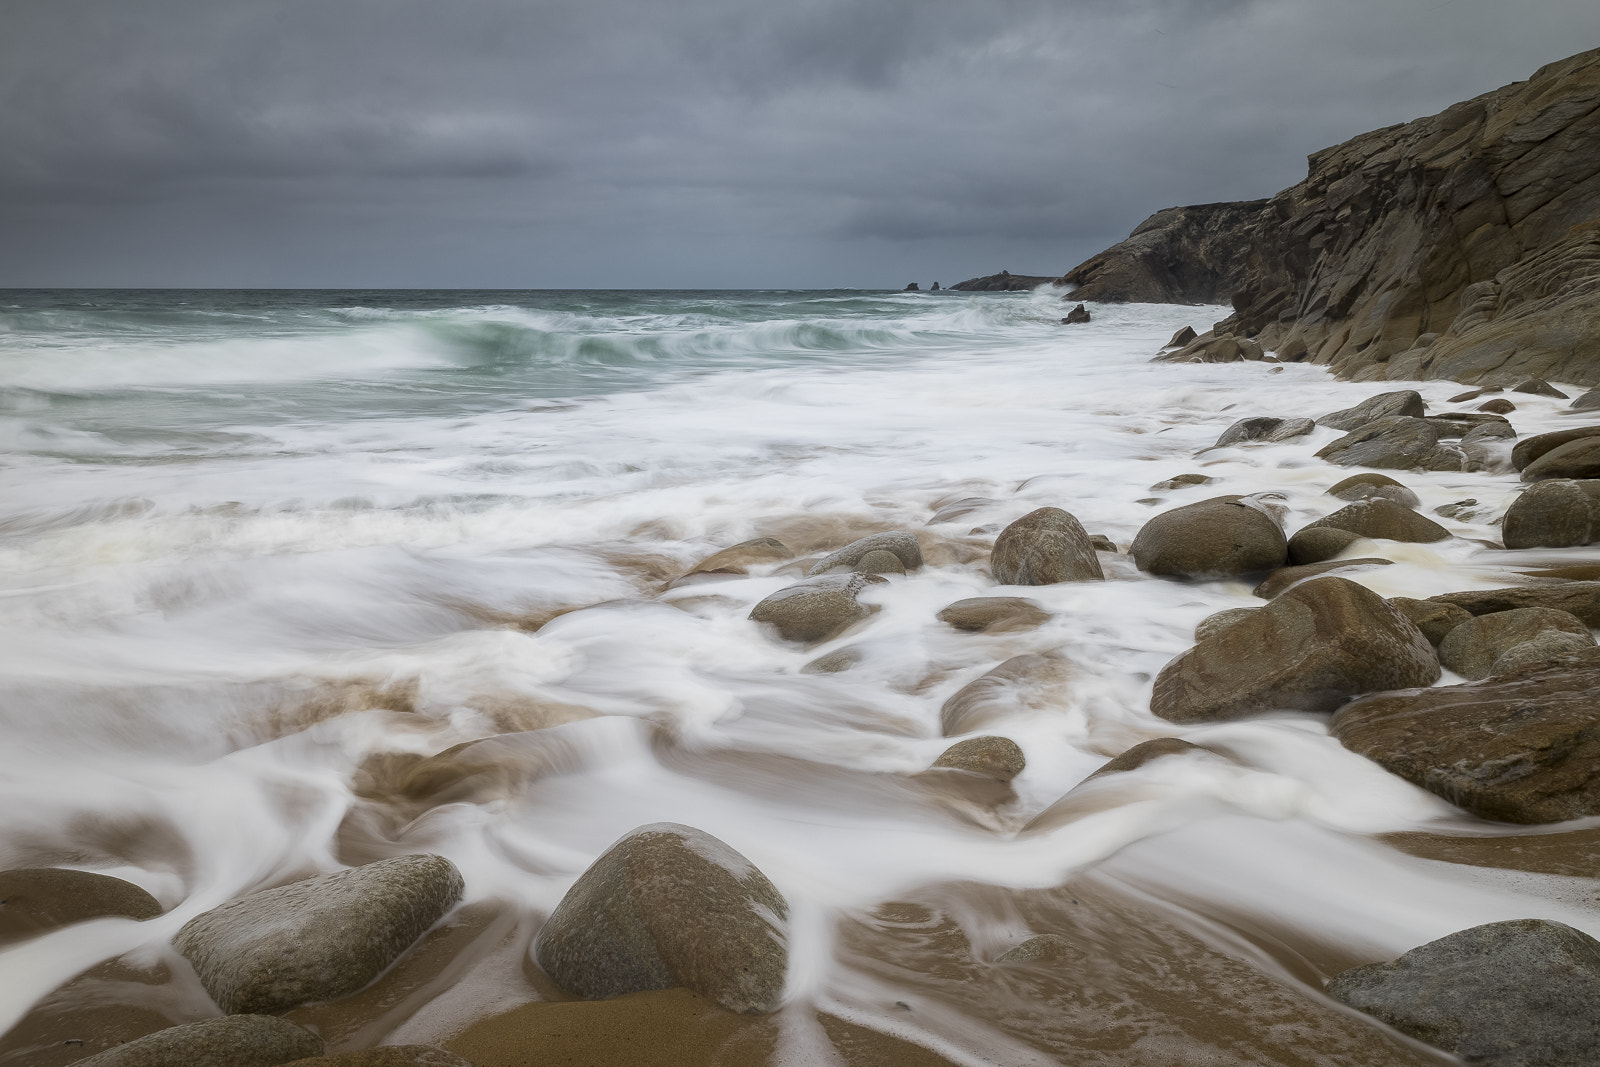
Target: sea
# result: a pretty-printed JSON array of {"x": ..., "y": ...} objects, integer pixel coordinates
[{"x": 264, "y": 553}]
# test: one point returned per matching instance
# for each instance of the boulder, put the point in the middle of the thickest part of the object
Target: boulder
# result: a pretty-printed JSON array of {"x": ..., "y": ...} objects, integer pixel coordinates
[
  {"x": 1077, "y": 315},
  {"x": 1556, "y": 513},
  {"x": 36, "y": 899},
  {"x": 904, "y": 546},
  {"x": 1263, "y": 428},
  {"x": 1314, "y": 544},
  {"x": 1395, "y": 443},
  {"x": 1045, "y": 948},
  {"x": 1218, "y": 620},
  {"x": 318, "y": 939},
  {"x": 1461, "y": 510},
  {"x": 1498, "y": 406},
  {"x": 840, "y": 659},
  {"x": 1521, "y": 747},
  {"x": 993, "y": 757},
  {"x": 1587, "y": 402},
  {"x": 1182, "y": 337},
  {"x": 1521, "y": 993},
  {"x": 1384, "y": 519},
  {"x": 1575, "y": 459},
  {"x": 1369, "y": 485},
  {"x": 1102, "y": 543},
  {"x": 1486, "y": 447},
  {"x": 1580, "y": 598},
  {"x": 233, "y": 1041},
  {"x": 879, "y": 561},
  {"x": 913, "y": 288},
  {"x": 388, "y": 1056},
  {"x": 1027, "y": 681},
  {"x": 1284, "y": 578},
  {"x": 1471, "y": 648},
  {"x": 1431, "y": 617},
  {"x": 1181, "y": 481},
  {"x": 666, "y": 906},
  {"x": 1144, "y": 752},
  {"x": 1461, "y": 423},
  {"x": 815, "y": 609},
  {"x": 1406, "y": 402},
  {"x": 1546, "y": 647},
  {"x": 1311, "y": 649},
  {"x": 998, "y": 614},
  {"x": 1218, "y": 538},
  {"x": 1042, "y": 548},
  {"x": 1531, "y": 448},
  {"x": 1539, "y": 387},
  {"x": 737, "y": 559}
]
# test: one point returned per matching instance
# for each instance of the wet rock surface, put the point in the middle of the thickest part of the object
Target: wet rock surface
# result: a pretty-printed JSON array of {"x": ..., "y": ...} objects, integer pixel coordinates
[
  {"x": 1369, "y": 485},
  {"x": 993, "y": 757},
  {"x": 1433, "y": 618},
  {"x": 1401, "y": 402},
  {"x": 815, "y": 609},
  {"x": 1284, "y": 578},
  {"x": 1395, "y": 443},
  {"x": 902, "y": 545},
  {"x": 1383, "y": 519},
  {"x": 1025, "y": 681},
  {"x": 1263, "y": 428},
  {"x": 1575, "y": 459},
  {"x": 36, "y": 899},
  {"x": 1218, "y": 538},
  {"x": 1472, "y": 648},
  {"x": 1581, "y": 598},
  {"x": 1530, "y": 449},
  {"x": 318, "y": 939},
  {"x": 1044, "y": 547},
  {"x": 1521, "y": 993},
  {"x": 1315, "y": 544},
  {"x": 669, "y": 905},
  {"x": 739, "y": 558},
  {"x": 245, "y": 1040},
  {"x": 1218, "y": 621},
  {"x": 1000, "y": 614},
  {"x": 1552, "y": 514}
]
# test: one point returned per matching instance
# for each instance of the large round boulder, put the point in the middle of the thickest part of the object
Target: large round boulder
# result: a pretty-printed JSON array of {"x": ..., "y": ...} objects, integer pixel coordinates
[
  {"x": 1042, "y": 548},
  {"x": 1556, "y": 513},
  {"x": 1531, "y": 448},
  {"x": 666, "y": 906},
  {"x": 1472, "y": 648},
  {"x": 1310, "y": 649},
  {"x": 36, "y": 899},
  {"x": 815, "y": 609},
  {"x": 232, "y": 1041},
  {"x": 1223, "y": 537},
  {"x": 902, "y": 545},
  {"x": 1383, "y": 519},
  {"x": 318, "y": 939},
  {"x": 1507, "y": 994},
  {"x": 1317, "y": 544},
  {"x": 1575, "y": 459}
]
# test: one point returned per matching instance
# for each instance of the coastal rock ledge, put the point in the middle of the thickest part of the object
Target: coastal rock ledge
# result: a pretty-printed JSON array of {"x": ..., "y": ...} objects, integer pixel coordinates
[{"x": 1463, "y": 246}]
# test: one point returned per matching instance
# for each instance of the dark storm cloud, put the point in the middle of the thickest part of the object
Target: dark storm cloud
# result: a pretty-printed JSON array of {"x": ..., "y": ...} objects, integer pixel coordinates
[{"x": 703, "y": 142}]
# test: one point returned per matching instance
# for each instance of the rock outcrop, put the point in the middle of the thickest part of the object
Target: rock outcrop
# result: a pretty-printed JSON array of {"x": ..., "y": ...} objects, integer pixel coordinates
[
  {"x": 1004, "y": 282},
  {"x": 1464, "y": 246}
]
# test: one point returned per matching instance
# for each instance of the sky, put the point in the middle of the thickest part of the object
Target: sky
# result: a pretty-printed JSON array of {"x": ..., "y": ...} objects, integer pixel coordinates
[{"x": 686, "y": 143}]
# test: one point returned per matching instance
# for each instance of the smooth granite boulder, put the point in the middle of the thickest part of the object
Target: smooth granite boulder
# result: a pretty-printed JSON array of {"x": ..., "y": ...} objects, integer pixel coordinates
[
  {"x": 1521, "y": 747},
  {"x": 815, "y": 609},
  {"x": 1498, "y": 406},
  {"x": 1433, "y": 618},
  {"x": 1044, "y": 547},
  {"x": 879, "y": 561},
  {"x": 666, "y": 906},
  {"x": 1285, "y": 578},
  {"x": 35, "y": 899},
  {"x": 1383, "y": 519},
  {"x": 318, "y": 939},
  {"x": 388, "y": 1056},
  {"x": 904, "y": 546},
  {"x": 1219, "y": 538},
  {"x": 1472, "y": 648},
  {"x": 1575, "y": 459},
  {"x": 1580, "y": 598},
  {"x": 1531, "y": 448},
  {"x": 1401, "y": 402},
  {"x": 1317, "y": 544},
  {"x": 1523, "y": 993},
  {"x": 1265, "y": 428},
  {"x": 739, "y": 558},
  {"x": 1372, "y": 484},
  {"x": 1395, "y": 443},
  {"x": 232, "y": 1041},
  {"x": 1218, "y": 621},
  {"x": 993, "y": 614},
  {"x": 1311, "y": 649},
  {"x": 1032, "y": 680},
  {"x": 1542, "y": 649},
  {"x": 999, "y": 758},
  {"x": 1556, "y": 513}
]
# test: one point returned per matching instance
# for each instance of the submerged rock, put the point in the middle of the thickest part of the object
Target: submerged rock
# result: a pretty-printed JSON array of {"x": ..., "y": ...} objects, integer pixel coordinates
[
  {"x": 669, "y": 905},
  {"x": 1311, "y": 649},
  {"x": 1522, "y": 993},
  {"x": 1539, "y": 387},
  {"x": 1522, "y": 747},
  {"x": 233, "y": 1041},
  {"x": 318, "y": 939},
  {"x": 1181, "y": 481},
  {"x": 1370, "y": 485},
  {"x": 904, "y": 546},
  {"x": 1031, "y": 680},
  {"x": 35, "y": 899},
  {"x": 1383, "y": 519},
  {"x": 1144, "y": 752},
  {"x": 997, "y": 614},
  {"x": 1219, "y": 538},
  {"x": 1044, "y": 547},
  {"x": 1045, "y": 948},
  {"x": 815, "y": 609},
  {"x": 1471, "y": 648},
  {"x": 994, "y": 757},
  {"x": 737, "y": 559},
  {"x": 840, "y": 659}
]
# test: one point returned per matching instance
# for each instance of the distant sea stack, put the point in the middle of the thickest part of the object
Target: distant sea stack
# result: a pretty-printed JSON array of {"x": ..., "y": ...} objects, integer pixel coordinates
[
  {"x": 1464, "y": 246},
  {"x": 1004, "y": 282}
]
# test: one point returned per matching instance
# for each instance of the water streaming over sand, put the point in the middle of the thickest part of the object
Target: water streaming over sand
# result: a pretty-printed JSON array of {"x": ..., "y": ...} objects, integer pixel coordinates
[{"x": 260, "y": 552}]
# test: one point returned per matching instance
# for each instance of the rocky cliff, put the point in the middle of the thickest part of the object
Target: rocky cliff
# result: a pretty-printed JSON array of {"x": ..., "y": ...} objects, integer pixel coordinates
[{"x": 1463, "y": 246}]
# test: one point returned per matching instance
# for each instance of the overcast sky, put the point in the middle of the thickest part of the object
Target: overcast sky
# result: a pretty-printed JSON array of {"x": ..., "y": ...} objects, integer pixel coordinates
[{"x": 686, "y": 143}]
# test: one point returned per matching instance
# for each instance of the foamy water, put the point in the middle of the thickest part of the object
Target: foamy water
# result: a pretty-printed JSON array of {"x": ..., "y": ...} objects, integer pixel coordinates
[{"x": 252, "y": 545}]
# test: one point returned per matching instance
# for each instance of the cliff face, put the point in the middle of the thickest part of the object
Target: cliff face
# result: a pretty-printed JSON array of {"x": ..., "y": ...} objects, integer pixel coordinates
[{"x": 1463, "y": 246}]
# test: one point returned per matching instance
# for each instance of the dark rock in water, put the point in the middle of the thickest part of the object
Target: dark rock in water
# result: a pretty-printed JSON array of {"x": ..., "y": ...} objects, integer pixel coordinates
[
  {"x": 1077, "y": 315},
  {"x": 388, "y": 1056},
  {"x": 1219, "y": 620},
  {"x": 1587, "y": 402},
  {"x": 902, "y": 544},
  {"x": 994, "y": 757},
  {"x": 1457, "y": 509},
  {"x": 738, "y": 558},
  {"x": 1182, "y": 337},
  {"x": 1383, "y": 518},
  {"x": 1539, "y": 387},
  {"x": 998, "y": 614},
  {"x": 913, "y": 288},
  {"x": 1521, "y": 747},
  {"x": 233, "y": 1041},
  {"x": 1004, "y": 282},
  {"x": 1472, "y": 648},
  {"x": 1460, "y": 423},
  {"x": 1557, "y": 513},
  {"x": 1263, "y": 428},
  {"x": 1521, "y": 993},
  {"x": 1470, "y": 394},
  {"x": 815, "y": 609},
  {"x": 1311, "y": 649},
  {"x": 318, "y": 939},
  {"x": 1545, "y": 649},
  {"x": 1367, "y": 486},
  {"x": 1218, "y": 538},
  {"x": 1531, "y": 448},
  {"x": 1102, "y": 543},
  {"x": 935, "y": 288},
  {"x": 840, "y": 659},
  {"x": 669, "y": 905},
  {"x": 1144, "y": 752},
  {"x": 1182, "y": 481},
  {"x": 1045, "y": 948},
  {"x": 1498, "y": 406},
  {"x": 1044, "y": 547},
  {"x": 1027, "y": 681},
  {"x": 1407, "y": 402},
  {"x": 1284, "y": 578},
  {"x": 1314, "y": 544},
  {"x": 34, "y": 899},
  {"x": 1580, "y": 598},
  {"x": 1575, "y": 459},
  {"x": 1434, "y": 619},
  {"x": 1398, "y": 442}
]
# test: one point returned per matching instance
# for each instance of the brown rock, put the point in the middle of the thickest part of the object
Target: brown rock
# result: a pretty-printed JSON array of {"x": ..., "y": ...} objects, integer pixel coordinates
[
  {"x": 1580, "y": 598},
  {"x": 1079, "y": 314},
  {"x": 840, "y": 659},
  {"x": 1145, "y": 752},
  {"x": 1372, "y": 484},
  {"x": 1182, "y": 337},
  {"x": 903, "y": 545},
  {"x": 388, "y": 1056},
  {"x": 1575, "y": 459},
  {"x": 993, "y": 757},
  {"x": 1471, "y": 648},
  {"x": 815, "y": 609},
  {"x": 1395, "y": 443},
  {"x": 1181, "y": 481},
  {"x": 879, "y": 561},
  {"x": 35, "y": 899},
  {"x": 1523, "y": 748},
  {"x": 1381, "y": 518},
  {"x": 1284, "y": 578},
  {"x": 1218, "y": 538},
  {"x": 1539, "y": 387},
  {"x": 1546, "y": 647},
  {"x": 1556, "y": 513},
  {"x": 1434, "y": 619},
  {"x": 1531, "y": 448},
  {"x": 1263, "y": 428},
  {"x": 1000, "y": 614},
  {"x": 1044, "y": 547},
  {"x": 1314, "y": 544},
  {"x": 1219, "y": 620},
  {"x": 1406, "y": 402},
  {"x": 1311, "y": 649},
  {"x": 737, "y": 559},
  {"x": 1587, "y": 402},
  {"x": 1045, "y": 948},
  {"x": 232, "y": 1041},
  {"x": 1498, "y": 406}
]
